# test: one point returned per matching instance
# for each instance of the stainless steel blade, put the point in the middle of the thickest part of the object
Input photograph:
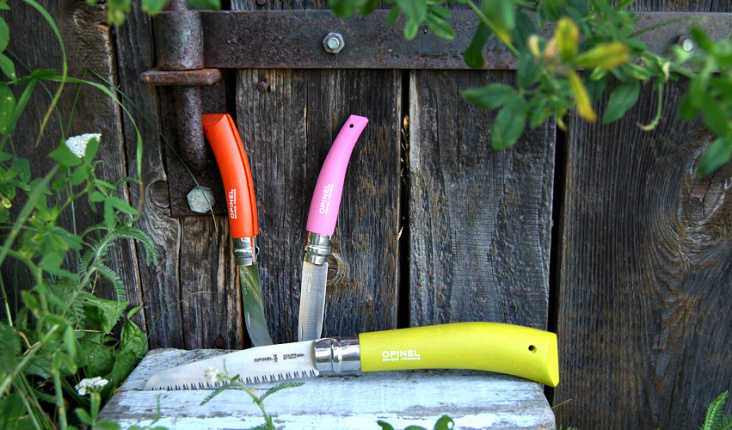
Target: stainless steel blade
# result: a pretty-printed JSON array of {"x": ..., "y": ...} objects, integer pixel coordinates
[
  {"x": 253, "y": 366},
  {"x": 312, "y": 301},
  {"x": 253, "y": 307}
]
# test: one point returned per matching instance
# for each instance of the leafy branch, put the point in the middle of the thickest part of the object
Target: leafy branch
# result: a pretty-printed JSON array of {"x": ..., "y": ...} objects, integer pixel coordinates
[{"x": 593, "y": 36}]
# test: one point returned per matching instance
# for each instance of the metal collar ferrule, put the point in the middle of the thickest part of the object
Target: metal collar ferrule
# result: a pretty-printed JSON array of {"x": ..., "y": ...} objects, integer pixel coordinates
[
  {"x": 337, "y": 355},
  {"x": 246, "y": 250},
  {"x": 318, "y": 248}
]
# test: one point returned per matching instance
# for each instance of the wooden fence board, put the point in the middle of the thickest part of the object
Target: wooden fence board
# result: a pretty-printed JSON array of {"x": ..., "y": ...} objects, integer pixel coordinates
[
  {"x": 480, "y": 220},
  {"x": 159, "y": 282},
  {"x": 643, "y": 274},
  {"x": 288, "y": 130}
]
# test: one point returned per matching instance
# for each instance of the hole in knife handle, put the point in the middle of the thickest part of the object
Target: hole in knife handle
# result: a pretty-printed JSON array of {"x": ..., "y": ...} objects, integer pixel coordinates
[
  {"x": 350, "y": 126},
  {"x": 532, "y": 348}
]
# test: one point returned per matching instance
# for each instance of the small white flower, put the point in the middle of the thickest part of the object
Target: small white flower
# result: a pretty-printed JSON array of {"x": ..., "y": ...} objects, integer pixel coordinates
[
  {"x": 90, "y": 385},
  {"x": 214, "y": 375},
  {"x": 77, "y": 144}
]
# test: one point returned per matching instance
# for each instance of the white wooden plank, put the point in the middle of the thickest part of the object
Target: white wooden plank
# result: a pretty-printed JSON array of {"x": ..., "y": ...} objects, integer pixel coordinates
[{"x": 474, "y": 400}]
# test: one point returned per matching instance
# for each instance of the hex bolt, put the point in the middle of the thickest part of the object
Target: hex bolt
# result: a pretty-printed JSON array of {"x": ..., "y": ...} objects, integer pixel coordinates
[
  {"x": 333, "y": 43},
  {"x": 200, "y": 199},
  {"x": 687, "y": 44}
]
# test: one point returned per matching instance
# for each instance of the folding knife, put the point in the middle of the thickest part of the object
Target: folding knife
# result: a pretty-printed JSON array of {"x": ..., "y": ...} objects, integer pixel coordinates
[
  {"x": 320, "y": 227},
  {"x": 231, "y": 158},
  {"x": 516, "y": 350}
]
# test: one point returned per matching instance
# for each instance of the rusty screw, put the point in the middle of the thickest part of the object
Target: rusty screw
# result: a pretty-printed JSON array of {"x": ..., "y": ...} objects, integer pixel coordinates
[
  {"x": 200, "y": 199},
  {"x": 333, "y": 43}
]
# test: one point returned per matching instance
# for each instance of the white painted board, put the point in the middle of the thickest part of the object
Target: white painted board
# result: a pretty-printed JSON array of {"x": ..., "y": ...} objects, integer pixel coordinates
[{"x": 474, "y": 400}]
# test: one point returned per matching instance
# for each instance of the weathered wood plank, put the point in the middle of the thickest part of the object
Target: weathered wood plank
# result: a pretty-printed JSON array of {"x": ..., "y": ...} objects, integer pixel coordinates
[
  {"x": 134, "y": 45},
  {"x": 475, "y": 400},
  {"x": 480, "y": 220},
  {"x": 287, "y": 131},
  {"x": 210, "y": 291},
  {"x": 645, "y": 275}
]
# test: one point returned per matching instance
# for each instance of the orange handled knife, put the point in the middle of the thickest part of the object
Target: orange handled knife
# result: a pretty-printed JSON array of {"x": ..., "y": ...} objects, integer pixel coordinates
[{"x": 241, "y": 206}]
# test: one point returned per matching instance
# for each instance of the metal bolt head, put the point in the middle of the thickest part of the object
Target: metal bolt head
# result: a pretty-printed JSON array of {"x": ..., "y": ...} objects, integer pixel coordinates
[
  {"x": 687, "y": 44},
  {"x": 200, "y": 199},
  {"x": 333, "y": 43}
]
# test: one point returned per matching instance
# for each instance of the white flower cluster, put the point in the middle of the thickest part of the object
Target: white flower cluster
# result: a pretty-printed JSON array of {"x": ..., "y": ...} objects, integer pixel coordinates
[
  {"x": 77, "y": 144},
  {"x": 90, "y": 385},
  {"x": 215, "y": 376}
]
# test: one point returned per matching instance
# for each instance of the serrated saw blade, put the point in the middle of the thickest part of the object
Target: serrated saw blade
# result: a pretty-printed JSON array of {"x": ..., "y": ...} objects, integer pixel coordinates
[{"x": 253, "y": 366}]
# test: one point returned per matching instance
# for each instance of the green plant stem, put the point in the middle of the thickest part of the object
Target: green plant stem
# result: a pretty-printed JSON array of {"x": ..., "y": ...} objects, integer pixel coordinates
[
  {"x": 7, "y": 304},
  {"x": 60, "y": 407},
  {"x": 525, "y": 4},
  {"x": 260, "y": 404},
  {"x": 492, "y": 27}
]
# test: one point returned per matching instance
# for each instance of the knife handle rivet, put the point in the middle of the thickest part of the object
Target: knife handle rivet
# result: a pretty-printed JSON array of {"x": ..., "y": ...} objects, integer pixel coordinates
[{"x": 532, "y": 348}]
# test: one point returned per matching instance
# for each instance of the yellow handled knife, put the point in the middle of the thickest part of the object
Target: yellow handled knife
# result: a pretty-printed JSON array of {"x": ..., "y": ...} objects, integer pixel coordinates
[{"x": 515, "y": 350}]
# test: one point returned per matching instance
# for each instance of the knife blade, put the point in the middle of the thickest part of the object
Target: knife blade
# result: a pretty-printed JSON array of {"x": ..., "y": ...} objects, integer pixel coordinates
[
  {"x": 320, "y": 227},
  {"x": 495, "y": 347},
  {"x": 236, "y": 174}
]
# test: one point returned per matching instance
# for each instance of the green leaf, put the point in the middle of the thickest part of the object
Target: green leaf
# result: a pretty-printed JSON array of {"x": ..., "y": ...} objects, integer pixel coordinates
[
  {"x": 502, "y": 15},
  {"x": 528, "y": 71},
  {"x": 525, "y": 27},
  {"x": 92, "y": 147},
  {"x": 715, "y": 118},
  {"x": 8, "y": 67},
  {"x": 444, "y": 423},
  {"x": 440, "y": 26},
  {"x": 473, "y": 56},
  {"x": 121, "y": 205},
  {"x": 596, "y": 87},
  {"x": 79, "y": 175},
  {"x": 4, "y": 34},
  {"x": 70, "y": 341},
  {"x": 7, "y": 107},
  {"x": 509, "y": 124},
  {"x": 97, "y": 197},
  {"x": 206, "y": 4},
  {"x": 107, "y": 425},
  {"x": 384, "y": 425},
  {"x": 64, "y": 156},
  {"x": 491, "y": 96},
  {"x": 410, "y": 29},
  {"x": 414, "y": 428},
  {"x": 84, "y": 416},
  {"x": 415, "y": 10},
  {"x": 153, "y": 7},
  {"x": 132, "y": 339},
  {"x": 393, "y": 15},
  {"x": 345, "y": 8},
  {"x": 21, "y": 166},
  {"x": 96, "y": 359},
  {"x": 103, "y": 314},
  {"x": 623, "y": 97},
  {"x": 13, "y": 412},
  {"x": 716, "y": 156}
]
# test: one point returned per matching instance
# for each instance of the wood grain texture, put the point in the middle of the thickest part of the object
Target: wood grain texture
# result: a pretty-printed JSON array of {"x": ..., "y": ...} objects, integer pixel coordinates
[
  {"x": 287, "y": 131},
  {"x": 480, "y": 220},
  {"x": 210, "y": 291},
  {"x": 159, "y": 282},
  {"x": 88, "y": 45},
  {"x": 644, "y": 275},
  {"x": 643, "y": 317}
]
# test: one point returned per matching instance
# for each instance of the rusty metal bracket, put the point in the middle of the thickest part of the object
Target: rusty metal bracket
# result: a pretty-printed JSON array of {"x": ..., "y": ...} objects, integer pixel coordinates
[{"x": 193, "y": 46}]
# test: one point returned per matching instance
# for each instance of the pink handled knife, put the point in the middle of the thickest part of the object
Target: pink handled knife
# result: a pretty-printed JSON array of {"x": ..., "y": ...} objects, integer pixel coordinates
[{"x": 321, "y": 225}]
